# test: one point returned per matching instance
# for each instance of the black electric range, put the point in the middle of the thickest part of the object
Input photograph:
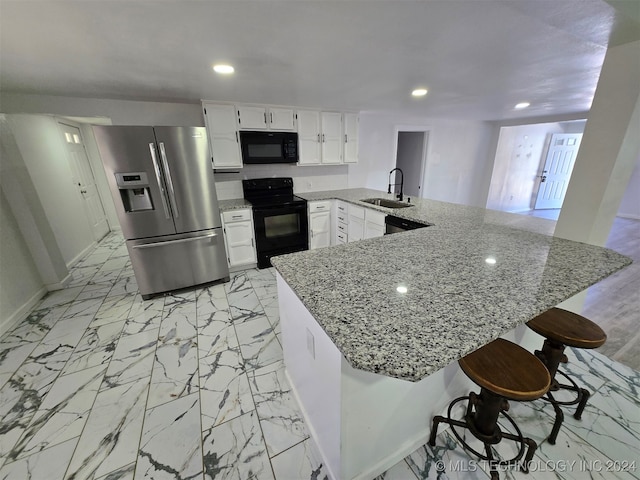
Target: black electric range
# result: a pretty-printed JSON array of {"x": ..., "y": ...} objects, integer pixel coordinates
[{"x": 279, "y": 217}]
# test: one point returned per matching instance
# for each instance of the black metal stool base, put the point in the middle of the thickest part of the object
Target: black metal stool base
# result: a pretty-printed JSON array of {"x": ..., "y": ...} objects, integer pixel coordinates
[
  {"x": 481, "y": 419},
  {"x": 552, "y": 354}
]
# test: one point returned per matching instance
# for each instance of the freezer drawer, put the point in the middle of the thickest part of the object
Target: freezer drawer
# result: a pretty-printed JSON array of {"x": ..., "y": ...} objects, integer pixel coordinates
[{"x": 173, "y": 262}]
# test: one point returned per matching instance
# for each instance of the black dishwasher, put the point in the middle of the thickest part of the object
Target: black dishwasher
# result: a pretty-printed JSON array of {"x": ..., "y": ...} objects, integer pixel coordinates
[{"x": 396, "y": 224}]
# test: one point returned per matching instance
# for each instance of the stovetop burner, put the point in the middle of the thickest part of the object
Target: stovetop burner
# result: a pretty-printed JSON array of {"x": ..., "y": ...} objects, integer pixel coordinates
[{"x": 268, "y": 192}]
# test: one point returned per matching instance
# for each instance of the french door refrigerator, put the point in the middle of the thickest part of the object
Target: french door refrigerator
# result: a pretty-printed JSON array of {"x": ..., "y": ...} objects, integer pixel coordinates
[{"x": 161, "y": 181}]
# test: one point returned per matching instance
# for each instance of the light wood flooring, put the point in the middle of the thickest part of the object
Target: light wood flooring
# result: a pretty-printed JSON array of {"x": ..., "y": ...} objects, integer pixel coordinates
[{"x": 614, "y": 303}]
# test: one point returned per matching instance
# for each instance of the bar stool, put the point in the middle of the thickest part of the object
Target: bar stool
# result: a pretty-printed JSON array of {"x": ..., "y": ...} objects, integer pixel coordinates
[
  {"x": 562, "y": 328},
  {"x": 502, "y": 370}
]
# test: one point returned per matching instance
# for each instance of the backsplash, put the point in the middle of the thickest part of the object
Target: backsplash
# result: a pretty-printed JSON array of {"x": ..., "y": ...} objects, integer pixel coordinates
[{"x": 305, "y": 179}]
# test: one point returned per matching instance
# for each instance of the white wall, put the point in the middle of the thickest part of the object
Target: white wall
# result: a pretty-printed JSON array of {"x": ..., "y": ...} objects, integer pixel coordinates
[
  {"x": 630, "y": 205},
  {"x": 45, "y": 156},
  {"x": 458, "y": 165},
  {"x": 519, "y": 155},
  {"x": 120, "y": 112},
  {"x": 20, "y": 284}
]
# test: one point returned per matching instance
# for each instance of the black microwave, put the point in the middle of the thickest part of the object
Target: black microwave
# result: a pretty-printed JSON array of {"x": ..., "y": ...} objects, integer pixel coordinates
[{"x": 268, "y": 147}]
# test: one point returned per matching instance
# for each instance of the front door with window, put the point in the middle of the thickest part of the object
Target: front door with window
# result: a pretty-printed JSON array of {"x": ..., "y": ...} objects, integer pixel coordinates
[{"x": 83, "y": 180}]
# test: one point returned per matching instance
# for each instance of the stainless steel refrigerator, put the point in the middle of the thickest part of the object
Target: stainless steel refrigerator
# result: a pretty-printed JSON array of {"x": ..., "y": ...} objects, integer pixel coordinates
[{"x": 161, "y": 180}]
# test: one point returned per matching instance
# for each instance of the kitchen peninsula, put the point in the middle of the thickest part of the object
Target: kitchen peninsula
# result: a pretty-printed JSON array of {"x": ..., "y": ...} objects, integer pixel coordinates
[{"x": 370, "y": 362}]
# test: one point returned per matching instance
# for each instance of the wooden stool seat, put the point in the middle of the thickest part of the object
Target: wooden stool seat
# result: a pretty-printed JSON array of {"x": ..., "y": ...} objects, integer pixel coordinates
[
  {"x": 503, "y": 370},
  {"x": 562, "y": 328},
  {"x": 508, "y": 370},
  {"x": 568, "y": 328}
]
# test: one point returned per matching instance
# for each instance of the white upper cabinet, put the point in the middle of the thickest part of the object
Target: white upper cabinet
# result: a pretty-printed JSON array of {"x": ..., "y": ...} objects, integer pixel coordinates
[
  {"x": 223, "y": 135},
  {"x": 324, "y": 138},
  {"x": 252, "y": 117},
  {"x": 281, "y": 118},
  {"x": 331, "y": 126},
  {"x": 350, "y": 153},
  {"x": 319, "y": 137},
  {"x": 308, "y": 137}
]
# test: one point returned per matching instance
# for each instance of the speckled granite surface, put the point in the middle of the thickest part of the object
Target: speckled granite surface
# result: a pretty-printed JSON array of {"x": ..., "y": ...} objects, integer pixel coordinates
[
  {"x": 233, "y": 204},
  {"x": 455, "y": 301}
]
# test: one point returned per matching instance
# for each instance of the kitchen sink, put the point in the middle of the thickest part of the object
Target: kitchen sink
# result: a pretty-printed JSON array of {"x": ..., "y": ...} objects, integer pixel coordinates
[{"x": 384, "y": 202}]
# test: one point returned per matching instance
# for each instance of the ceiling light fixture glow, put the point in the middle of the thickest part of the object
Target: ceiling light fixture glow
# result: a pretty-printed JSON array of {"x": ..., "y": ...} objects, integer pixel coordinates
[
  {"x": 490, "y": 260},
  {"x": 225, "y": 69},
  {"x": 419, "y": 92},
  {"x": 522, "y": 105},
  {"x": 401, "y": 289}
]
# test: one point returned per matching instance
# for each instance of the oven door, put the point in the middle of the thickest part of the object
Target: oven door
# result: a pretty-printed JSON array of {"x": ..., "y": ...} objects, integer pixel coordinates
[{"x": 280, "y": 229}]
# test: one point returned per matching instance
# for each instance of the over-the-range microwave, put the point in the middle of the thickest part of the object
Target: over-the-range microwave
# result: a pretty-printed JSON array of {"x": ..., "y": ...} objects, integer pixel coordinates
[{"x": 268, "y": 147}]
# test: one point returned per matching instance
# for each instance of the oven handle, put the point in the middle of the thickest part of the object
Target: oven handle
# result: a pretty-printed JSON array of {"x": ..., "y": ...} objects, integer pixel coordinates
[{"x": 284, "y": 209}]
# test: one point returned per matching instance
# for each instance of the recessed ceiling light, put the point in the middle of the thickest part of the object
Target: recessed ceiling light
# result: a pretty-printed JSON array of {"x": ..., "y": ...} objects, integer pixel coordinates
[
  {"x": 522, "y": 105},
  {"x": 402, "y": 289},
  {"x": 221, "y": 68},
  {"x": 490, "y": 260},
  {"x": 419, "y": 92}
]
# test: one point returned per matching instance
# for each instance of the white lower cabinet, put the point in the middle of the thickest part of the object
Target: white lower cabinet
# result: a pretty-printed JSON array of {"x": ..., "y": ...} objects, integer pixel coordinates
[
  {"x": 341, "y": 222},
  {"x": 356, "y": 223},
  {"x": 319, "y": 224},
  {"x": 374, "y": 225},
  {"x": 239, "y": 237}
]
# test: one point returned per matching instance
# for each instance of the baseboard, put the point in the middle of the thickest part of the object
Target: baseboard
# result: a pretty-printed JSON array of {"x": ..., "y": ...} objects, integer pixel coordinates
[
  {"x": 625, "y": 215},
  {"x": 22, "y": 312},
  {"x": 81, "y": 255},
  {"x": 64, "y": 283}
]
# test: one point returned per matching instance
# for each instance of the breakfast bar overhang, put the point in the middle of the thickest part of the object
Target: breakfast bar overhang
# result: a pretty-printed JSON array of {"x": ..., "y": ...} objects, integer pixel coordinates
[{"x": 371, "y": 363}]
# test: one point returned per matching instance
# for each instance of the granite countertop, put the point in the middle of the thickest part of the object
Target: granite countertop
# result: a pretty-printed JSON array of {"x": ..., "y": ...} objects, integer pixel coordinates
[
  {"x": 455, "y": 300},
  {"x": 233, "y": 204}
]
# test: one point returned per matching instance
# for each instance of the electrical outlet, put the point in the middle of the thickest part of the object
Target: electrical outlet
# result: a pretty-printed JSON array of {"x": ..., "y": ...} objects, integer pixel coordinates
[{"x": 311, "y": 344}]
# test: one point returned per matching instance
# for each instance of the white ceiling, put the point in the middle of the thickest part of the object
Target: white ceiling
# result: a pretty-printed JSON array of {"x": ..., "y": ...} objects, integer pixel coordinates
[{"x": 478, "y": 58}]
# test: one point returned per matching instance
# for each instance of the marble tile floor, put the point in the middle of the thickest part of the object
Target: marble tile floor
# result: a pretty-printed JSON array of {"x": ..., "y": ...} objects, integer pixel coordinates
[{"x": 98, "y": 384}]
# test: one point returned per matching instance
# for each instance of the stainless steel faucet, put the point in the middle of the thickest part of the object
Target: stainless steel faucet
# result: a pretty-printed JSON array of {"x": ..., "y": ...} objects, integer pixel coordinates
[{"x": 399, "y": 196}]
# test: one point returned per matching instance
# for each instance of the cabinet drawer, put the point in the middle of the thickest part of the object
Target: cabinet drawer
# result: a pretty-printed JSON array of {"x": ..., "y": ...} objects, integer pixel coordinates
[
  {"x": 236, "y": 215},
  {"x": 341, "y": 237},
  {"x": 342, "y": 217},
  {"x": 341, "y": 207},
  {"x": 342, "y": 227},
  {"x": 319, "y": 207}
]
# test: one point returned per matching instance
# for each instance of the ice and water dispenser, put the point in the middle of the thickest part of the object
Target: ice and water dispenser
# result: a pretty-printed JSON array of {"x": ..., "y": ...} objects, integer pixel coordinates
[{"x": 134, "y": 190}]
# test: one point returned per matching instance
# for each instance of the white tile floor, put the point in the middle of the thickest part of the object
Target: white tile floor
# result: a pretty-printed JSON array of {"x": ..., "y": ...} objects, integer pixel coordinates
[{"x": 98, "y": 384}]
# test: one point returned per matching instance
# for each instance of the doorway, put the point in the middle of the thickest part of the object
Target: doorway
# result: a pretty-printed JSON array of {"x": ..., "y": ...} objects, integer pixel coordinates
[
  {"x": 411, "y": 155},
  {"x": 554, "y": 179},
  {"x": 84, "y": 180}
]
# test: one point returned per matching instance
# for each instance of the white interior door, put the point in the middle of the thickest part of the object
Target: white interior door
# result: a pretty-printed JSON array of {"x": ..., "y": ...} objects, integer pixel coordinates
[
  {"x": 558, "y": 166},
  {"x": 84, "y": 181}
]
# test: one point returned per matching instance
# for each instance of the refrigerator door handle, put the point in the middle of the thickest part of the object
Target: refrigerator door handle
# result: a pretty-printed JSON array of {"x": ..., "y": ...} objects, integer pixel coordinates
[
  {"x": 181, "y": 240},
  {"x": 156, "y": 168},
  {"x": 172, "y": 194}
]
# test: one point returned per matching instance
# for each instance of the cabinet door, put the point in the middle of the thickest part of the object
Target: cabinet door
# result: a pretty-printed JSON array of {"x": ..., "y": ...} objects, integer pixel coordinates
[
  {"x": 319, "y": 230},
  {"x": 351, "y": 137},
  {"x": 240, "y": 245},
  {"x": 223, "y": 135},
  {"x": 373, "y": 230},
  {"x": 281, "y": 119},
  {"x": 331, "y": 137},
  {"x": 308, "y": 137},
  {"x": 252, "y": 118}
]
